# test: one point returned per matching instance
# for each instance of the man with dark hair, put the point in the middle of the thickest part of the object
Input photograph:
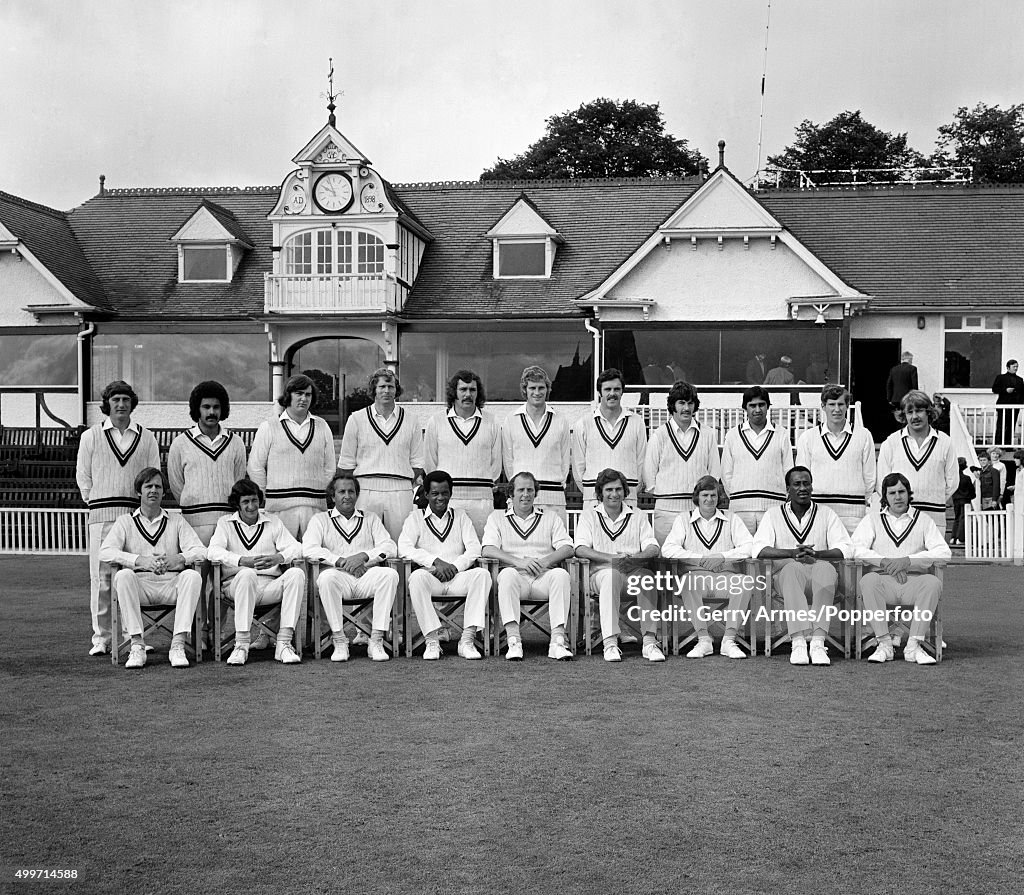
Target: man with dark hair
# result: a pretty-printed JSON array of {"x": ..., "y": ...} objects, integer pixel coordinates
[
  {"x": 292, "y": 457},
  {"x": 537, "y": 438},
  {"x": 441, "y": 540},
  {"x": 256, "y": 551},
  {"x": 804, "y": 539},
  {"x": 352, "y": 547},
  {"x": 610, "y": 437},
  {"x": 383, "y": 446},
  {"x": 206, "y": 460},
  {"x": 841, "y": 458},
  {"x": 154, "y": 547},
  {"x": 755, "y": 457},
  {"x": 1009, "y": 390},
  {"x": 679, "y": 454},
  {"x": 902, "y": 543},
  {"x": 616, "y": 538},
  {"x": 924, "y": 455},
  {"x": 530, "y": 544},
  {"x": 110, "y": 456},
  {"x": 466, "y": 441}
]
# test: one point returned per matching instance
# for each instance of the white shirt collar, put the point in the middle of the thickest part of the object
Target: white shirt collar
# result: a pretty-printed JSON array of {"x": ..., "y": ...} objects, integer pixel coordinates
[
  {"x": 427, "y": 513},
  {"x": 906, "y": 433},
  {"x": 695, "y": 516},
  {"x": 910, "y": 512},
  {"x": 847, "y": 429},
  {"x": 768, "y": 427},
  {"x": 138, "y": 513},
  {"x": 380, "y": 416},
  {"x": 335, "y": 513},
  {"x": 625, "y": 412},
  {"x": 260, "y": 517},
  {"x": 199, "y": 433},
  {"x": 131, "y": 427},
  {"x": 524, "y": 410},
  {"x": 451, "y": 412},
  {"x": 284, "y": 417},
  {"x": 693, "y": 425},
  {"x": 511, "y": 511},
  {"x": 626, "y": 510}
]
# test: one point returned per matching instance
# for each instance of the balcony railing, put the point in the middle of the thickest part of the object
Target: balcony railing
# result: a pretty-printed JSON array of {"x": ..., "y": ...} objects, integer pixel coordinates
[{"x": 331, "y": 293}]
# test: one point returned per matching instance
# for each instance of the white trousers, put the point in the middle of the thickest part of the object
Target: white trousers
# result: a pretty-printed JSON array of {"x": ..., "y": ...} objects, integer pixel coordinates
[
  {"x": 796, "y": 582},
  {"x": 99, "y": 585},
  {"x": 296, "y": 519},
  {"x": 608, "y": 585},
  {"x": 393, "y": 507},
  {"x": 478, "y": 509},
  {"x": 515, "y": 586},
  {"x": 700, "y": 585},
  {"x": 921, "y": 591},
  {"x": 178, "y": 589},
  {"x": 379, "y": 584},
  {"x": 248, "y": 589},
  {"x": 473, "y": 584}
]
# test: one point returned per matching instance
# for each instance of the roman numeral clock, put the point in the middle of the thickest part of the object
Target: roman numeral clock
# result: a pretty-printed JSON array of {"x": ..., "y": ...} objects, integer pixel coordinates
[{"x": 333, "y": 192}]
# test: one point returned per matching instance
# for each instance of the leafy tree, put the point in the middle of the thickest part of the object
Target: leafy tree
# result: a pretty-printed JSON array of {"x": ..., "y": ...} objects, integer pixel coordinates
[
  {"x": 988, "y": 138},
  {"x": 847, "y": 141},
  {"x": 603, "y": 138}
]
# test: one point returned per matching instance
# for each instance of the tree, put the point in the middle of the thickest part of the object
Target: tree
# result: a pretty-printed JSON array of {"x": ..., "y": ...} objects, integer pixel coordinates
[
  {"x": 845, "y": 142},
  {"x": 603, "y": 138},
  {"x": 988, "y": 138}
]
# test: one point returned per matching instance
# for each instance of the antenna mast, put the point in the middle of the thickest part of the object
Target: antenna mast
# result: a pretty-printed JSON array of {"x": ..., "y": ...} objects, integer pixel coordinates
[{"x": 760, "y": 122}]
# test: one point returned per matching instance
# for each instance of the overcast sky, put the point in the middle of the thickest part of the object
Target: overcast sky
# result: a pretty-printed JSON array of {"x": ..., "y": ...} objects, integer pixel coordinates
[{"x": 225, "y": 93}]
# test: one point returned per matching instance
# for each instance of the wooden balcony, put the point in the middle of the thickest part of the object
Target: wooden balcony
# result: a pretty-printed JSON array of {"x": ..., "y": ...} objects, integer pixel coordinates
[{"x": 331, "y": 294}]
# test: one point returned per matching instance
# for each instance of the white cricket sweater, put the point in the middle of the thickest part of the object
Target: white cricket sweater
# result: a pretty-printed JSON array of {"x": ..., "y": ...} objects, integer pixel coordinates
[
  {"x": 694, "y": 537},
  {"x": 753, "y": 470},
  {"x": 932, "y": 469},
  {"x": 543, "y": 451},
  {"x": 676, "y": 460},
  {"x": 542, "y": 533},
  {"x": 598, "y": 446},
  {"x": 843, "y": 468},
  {"x": 452, "y": 538},
  {"x": 883, "y": 535},
  {"x": 202, "y": 474},
  {"x": 376, "y": 451},
  {"x": 233, "y": 539},
  {"x": 132, "y": 536},
  {"x": 106, "y": 472},
  {"x": 331, "y": 537},
  {"x": 470, "y": 455},
  {"x": 292, "y": 470}
]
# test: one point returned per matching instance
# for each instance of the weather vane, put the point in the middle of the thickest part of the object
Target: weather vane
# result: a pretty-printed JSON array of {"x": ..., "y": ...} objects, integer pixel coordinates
[{"x": 331, "y": 96}]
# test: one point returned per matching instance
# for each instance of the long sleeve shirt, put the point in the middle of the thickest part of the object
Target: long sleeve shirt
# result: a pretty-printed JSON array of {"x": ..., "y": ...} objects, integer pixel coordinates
[
  {"x": 598, "y": 444},
  {"x": 133, "y": 535},
  {"x": 540, "y": 534},
  {"x": 693, "y": 537},
  {"x": 202, "y": 472},
  {"x": 931, "y": 468},
  {"x": 754, "y": 465},
  {"x": 629, "y": 533},
  {"x": 382, "y": 448},
  {"x": 233, "y": 540},
  {"x": 425, "y": 538},
  {"x": 543, "y": 450},
  {"x": 292, "y": 463},
  {"x": 330, "y": 537},
  {"x": 819, "y": 529},
  {"x": 108, "y": 463},
  {"x": 468, "y": 450},
  {"x": 676, "y": 460},
  {"x": 842, "y": 466}
]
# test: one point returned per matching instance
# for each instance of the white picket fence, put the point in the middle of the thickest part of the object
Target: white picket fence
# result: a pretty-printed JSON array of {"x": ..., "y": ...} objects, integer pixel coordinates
[
  {"x": 989, "y": 535},
  {"x": 44, "y": 532}
]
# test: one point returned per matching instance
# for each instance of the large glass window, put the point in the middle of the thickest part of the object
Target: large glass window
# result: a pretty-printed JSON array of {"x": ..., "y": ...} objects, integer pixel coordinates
[
  {"x": 32, "y": 359},
  {"x": 973, "y": 350},
  {"x": 336, "y": 252},
  {"x": 341, "y": 369},
  {"x": 726, "y": 356},
  {"x": 165, "y": 366},
  {"x": 427, "y": 360}
]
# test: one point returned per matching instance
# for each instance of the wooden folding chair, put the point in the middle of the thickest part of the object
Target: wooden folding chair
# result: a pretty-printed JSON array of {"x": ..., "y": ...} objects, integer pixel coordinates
[
  {"x": 359, "y": 611},
  {"x": 158, "y": 617},
  {"x": 263, "y": 617},
  {"x": 864, "y": 638},
  {"x": 446, "y": 608},
  {"x": 534, "y": 610},
  {"x": 592, "y": 638},
  {"x": 846, "y": 596},
  {"x": 747, "y": 637}
]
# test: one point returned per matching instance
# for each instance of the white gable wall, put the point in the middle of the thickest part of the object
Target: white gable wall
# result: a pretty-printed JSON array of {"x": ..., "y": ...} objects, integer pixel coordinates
[
  {"x": 20, "y": 285},
  {"x": 712, "y": 284}
]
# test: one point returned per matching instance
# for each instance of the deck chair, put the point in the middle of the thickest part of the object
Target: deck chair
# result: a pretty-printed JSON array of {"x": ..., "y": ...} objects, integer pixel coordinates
[
  {"x": 264, "y": 617},
  {"x": 846, "y": 593},
  {"x": 745, "y": 637},
  {"x": 156, "y": 617},
  {"x": 864, "y": 639},
  {"x": 447, "y": 609},
  {"x": 358, "y": 612},
  {"x": 591, "y": 637},
  {"x": 534, "y": 610}
]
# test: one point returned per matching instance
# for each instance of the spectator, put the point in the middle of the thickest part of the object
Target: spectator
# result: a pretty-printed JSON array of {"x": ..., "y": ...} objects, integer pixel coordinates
[
  {"x": 988, "y": 481},
  {"x": 942, "y": 405},
  {"x": 782, "y": 374},
  {"x": 902, "y": 379},
  {"x": 963, "y": 495},
  {"x": 1009, "y": 389}
]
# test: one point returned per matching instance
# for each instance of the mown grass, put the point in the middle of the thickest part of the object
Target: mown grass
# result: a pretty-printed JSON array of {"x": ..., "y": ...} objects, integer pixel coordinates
[{"x": 714, "y": 776}]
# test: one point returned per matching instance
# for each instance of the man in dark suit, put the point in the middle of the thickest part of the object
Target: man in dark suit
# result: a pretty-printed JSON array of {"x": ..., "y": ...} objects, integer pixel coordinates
[
  {"x": 1009, "y": 388},
  {"x": 757, "y": 369},
  {"x": 902, "y": 379}
]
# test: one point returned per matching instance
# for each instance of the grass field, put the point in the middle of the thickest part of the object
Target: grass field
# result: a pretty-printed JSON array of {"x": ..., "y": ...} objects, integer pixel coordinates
[{"x": 710, "y": 776}]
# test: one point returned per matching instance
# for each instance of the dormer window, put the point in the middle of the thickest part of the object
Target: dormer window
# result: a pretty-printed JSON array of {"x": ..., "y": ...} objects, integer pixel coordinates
[
  {"x": 524, "y": 243},
  {"x": 211, "y": 245}
]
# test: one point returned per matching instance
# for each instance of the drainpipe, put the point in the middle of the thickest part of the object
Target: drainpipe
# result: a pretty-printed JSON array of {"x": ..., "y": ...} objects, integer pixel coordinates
[
  {"x": 82, "y": 335},
  {"x": 596, "y": 333}
]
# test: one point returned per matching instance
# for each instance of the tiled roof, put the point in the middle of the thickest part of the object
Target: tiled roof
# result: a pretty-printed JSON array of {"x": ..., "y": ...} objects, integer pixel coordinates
[
  {"x": 46, "y": 234},
  {"x": 227, "y": 220},
  {"x": 602, "y": 222},
  {"x": 928, "y": 247},
  {"x": 126, "y": 237}
]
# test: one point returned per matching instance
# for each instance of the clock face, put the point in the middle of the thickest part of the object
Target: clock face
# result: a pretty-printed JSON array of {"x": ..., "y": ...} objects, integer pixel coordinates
[{"x": 333, "y": 192}]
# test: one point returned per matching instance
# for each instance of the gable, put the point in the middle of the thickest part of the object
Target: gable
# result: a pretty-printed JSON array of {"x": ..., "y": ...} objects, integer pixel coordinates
[
  {"x": 329, "y": 147},
  {"x": 522, "y": 219},
  {"x": 205, "y": 226},
  {"x": 722, "y": 204}
]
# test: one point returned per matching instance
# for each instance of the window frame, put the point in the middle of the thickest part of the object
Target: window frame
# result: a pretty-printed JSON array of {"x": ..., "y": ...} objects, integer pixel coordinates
[
  {"x": 549, "y": 256},
  {"x": 343, "y": 254},
  {"x": 981, "y": 328},
  {"x": 228, "y": 261}
]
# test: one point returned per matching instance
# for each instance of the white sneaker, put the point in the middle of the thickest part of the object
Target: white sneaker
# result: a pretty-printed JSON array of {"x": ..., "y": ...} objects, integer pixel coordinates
[
  {"x": 433, "y": 651},
  {"x": 883, "y": 653},
  {"x": 652, "y": 653},
  {"x": 558, "y": 649},
  {"x": 238, "y": 656},
  {"x": 375, "y": 650},
  {"x": 468, "y": 650},
  {"x": 137, "y": 657},
  {"x": 515, "y": 650},
  {"x": 98, "y": 649},
  {"x": 703, "y": 647},
  {"x": 914, "y": 652},
  {"x": 819, "y": 653},
  {"x": 798, "y": 654},
  {"x": 177, "y": 656},
  {"x": 612, "y": 654},
  {"x": 285, "y": 654},
  {"x": 731, "y": 650},
  {"x": 340, "y": 653},
  {"x": 262, "y": 641}
]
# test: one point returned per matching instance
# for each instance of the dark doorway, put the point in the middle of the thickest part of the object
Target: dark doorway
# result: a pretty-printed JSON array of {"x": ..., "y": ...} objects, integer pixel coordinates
[{"x": 870, "y": 362}]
